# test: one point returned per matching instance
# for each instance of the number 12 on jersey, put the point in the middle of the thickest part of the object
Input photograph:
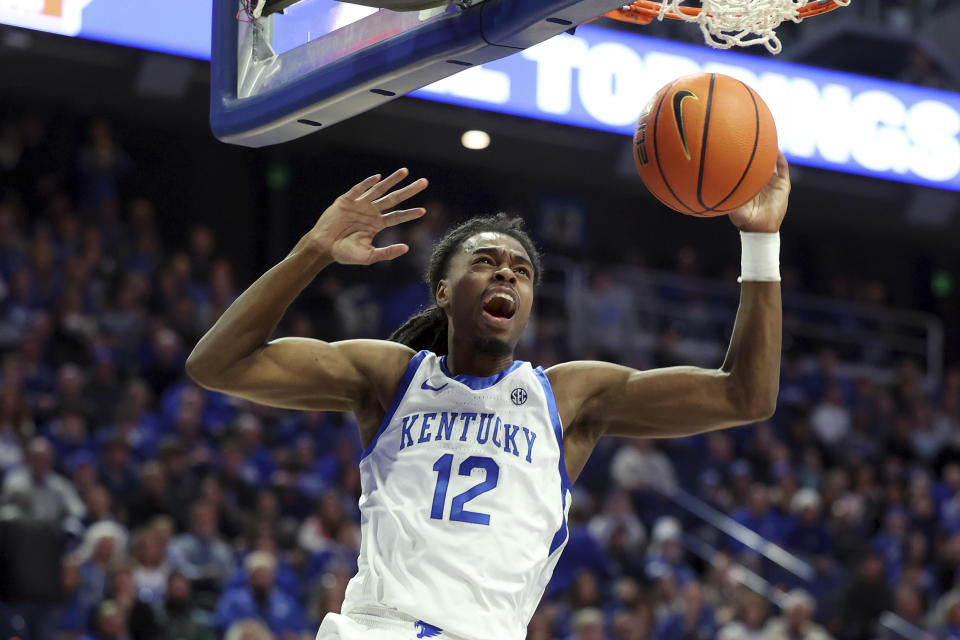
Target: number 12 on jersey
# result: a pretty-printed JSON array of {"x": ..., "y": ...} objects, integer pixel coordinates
[{"x": 443, "y": 466}]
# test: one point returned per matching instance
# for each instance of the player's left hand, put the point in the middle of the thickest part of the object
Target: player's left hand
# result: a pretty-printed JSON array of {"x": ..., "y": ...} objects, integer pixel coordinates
[{"x": 764, "y": 214}]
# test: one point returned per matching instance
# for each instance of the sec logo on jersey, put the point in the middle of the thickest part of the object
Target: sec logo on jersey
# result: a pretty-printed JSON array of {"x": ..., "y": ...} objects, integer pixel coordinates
[{"x": 518, "y": 396}]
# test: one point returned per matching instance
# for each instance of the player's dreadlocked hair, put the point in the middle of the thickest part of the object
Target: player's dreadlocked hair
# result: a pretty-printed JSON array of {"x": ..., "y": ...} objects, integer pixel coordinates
[{"x": 428, "y": 329}]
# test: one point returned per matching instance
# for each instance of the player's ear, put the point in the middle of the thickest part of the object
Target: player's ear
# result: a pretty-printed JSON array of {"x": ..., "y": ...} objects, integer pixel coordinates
[{"x": 443, "y": 294}]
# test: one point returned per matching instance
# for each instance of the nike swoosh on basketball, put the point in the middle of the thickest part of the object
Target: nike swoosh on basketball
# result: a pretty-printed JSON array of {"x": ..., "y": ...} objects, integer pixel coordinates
[
  {"x": 427, "y": 386},
  {"x": 678, "y": 99}
]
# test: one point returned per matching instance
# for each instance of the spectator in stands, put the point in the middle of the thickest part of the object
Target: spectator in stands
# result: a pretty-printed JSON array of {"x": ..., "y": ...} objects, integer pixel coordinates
[
  {"x": 110, "y": 623},
  {"x": 31, "y": 573},
  {"x": 318, "y": 533},
  {"x": 81, "y": 468},
  {"x": 102, "y": 165},
  {"x": 796, "y": 622},
  {"x": 167, "y": 358},
  {"x": 585, "y": 591},
  {"x": 621, "y": 532},
  {"x": 47, "y": 495},
  {"x": 67, "y": 433},
  {"x": 260, "y": 599},
  {"x": 690, "y": 619},
  {"x": 908, "y": 607},
  {"x": 229, "y": 520},
  {"x": 266, "y": 516},
  {"x": 949, "y": 629},
  {"x": 99, "y": 505},
  {"x": 929, "y": 436},
  {"x": 721, "y": 584},
  {"x": 750, "y": 621},
  {"x": 257, "y": 457},
  {"x": 182, "y": 482},
  {"x": 947, "y": 419},
  {"x": 891, "y": 542},
  {"x": 70, "y": 396},
  {"x": 663, "y": 595},
  {"x": 202, "y": 247},
  {"x": 179, "y": 616},
  {"x": 141, "y": 438},
  {"x": 947, "y": 563},
  {"x": 864, "y": 598},
  {"x": 151, "y": 497},
  {"x": 138, "y": 615},
  {"x": 862, "y": 440},
  {"x": 828, "y": 373},
  {"x": 15, "y": 419},
  {"x": 759, "y": 517},
  {"x": 200, "y": 555},
  {"x": 665, "y": 553},
  {"x": 103, "y": 548},
  {"x": 628, "y": 625},
  {"x": 923, "y": 517},
  {"x": 608, "y": 315},
  {"x": 806, "y": 533},
  {"x": 103, "y": 386},
  {"x": 638, "y": 464},
  {"x": 587, "y": 624},
  {"x": 248, "y": 630},
  {"x": 831, "y": 418},
  {"x": 150, "y": 570},
  {"x": 236, "y": 479},
  {"x": 117, "y": 470},
  {"x": 848, "y": 528}
]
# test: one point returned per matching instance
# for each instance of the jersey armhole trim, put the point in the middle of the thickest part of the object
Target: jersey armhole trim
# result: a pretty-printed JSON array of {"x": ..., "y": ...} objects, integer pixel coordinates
[
  {"x": 565, "y": 485},
  {"x": 411, "y": 370}
]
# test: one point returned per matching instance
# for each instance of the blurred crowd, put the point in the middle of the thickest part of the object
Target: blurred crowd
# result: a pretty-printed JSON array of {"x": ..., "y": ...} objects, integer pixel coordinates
[{"x": 135, "y": 505}]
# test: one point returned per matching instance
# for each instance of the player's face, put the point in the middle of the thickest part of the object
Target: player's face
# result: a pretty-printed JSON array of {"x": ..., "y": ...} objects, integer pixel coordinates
[{"x": 488, "y": 290}]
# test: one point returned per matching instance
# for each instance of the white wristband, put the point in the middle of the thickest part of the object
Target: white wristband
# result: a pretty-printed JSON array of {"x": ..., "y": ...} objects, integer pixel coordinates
[{"x": 759, "y": 257}]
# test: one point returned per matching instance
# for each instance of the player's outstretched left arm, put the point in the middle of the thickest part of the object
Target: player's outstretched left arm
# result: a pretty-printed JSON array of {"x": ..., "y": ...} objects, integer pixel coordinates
[{"x": 597, "y": 398}]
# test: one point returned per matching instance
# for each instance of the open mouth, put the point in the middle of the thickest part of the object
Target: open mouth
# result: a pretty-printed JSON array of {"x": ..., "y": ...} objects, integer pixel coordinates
[{"x": 499, "y": 306}]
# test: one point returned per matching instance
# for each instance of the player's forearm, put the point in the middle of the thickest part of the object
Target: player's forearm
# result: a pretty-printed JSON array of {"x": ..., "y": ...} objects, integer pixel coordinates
[
  {"x": 247, "y": 324},
  {"x": 753, "y": 357}
]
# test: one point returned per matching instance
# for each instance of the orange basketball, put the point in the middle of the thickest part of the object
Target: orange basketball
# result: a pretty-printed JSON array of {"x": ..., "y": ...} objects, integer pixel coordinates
[{"x": 705, "y": 144}]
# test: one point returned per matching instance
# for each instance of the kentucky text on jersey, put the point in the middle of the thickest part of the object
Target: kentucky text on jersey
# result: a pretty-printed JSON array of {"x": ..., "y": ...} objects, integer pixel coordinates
[{"x": 486, "y": 428}]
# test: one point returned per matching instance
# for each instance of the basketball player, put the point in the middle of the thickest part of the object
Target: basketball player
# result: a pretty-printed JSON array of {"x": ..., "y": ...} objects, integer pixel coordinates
[{"x": 469, "y": 455}]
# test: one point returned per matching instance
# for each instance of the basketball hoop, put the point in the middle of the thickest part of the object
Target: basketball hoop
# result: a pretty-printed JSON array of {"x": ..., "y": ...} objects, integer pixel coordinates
[{"x": 728, "y": 23}]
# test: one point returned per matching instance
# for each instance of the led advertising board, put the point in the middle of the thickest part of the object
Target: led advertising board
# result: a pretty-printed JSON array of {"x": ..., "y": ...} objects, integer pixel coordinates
[{"x": 602, "y": 79}]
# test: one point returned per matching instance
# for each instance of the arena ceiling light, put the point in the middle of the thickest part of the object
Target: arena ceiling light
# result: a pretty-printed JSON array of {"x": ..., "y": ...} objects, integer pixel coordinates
[{"x": 475, "y": 139}]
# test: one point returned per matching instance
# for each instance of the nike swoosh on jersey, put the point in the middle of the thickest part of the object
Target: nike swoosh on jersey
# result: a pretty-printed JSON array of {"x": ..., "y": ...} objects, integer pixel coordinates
[{"x": 427, "y": 386}]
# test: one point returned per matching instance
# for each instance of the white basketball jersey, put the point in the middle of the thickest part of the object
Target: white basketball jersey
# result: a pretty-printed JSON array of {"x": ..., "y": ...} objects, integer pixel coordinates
[{"x": 465, "y": 501}]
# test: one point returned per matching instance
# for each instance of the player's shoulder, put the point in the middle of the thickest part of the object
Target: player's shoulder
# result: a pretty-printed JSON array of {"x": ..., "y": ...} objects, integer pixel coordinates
[
  {"x": 577, "y": 381},
  {"x": 577, "y": 374},
  {"x": 380, "y": 360},
  {"x": 382, "y": 364}
]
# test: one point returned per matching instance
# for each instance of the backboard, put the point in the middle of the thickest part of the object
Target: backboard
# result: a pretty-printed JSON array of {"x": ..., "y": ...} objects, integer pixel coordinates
[{"x": 284, "y": 75}]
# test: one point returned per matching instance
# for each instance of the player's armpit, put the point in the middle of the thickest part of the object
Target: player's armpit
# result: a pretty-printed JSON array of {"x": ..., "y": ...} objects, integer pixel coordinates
[{"x": 302, "y": 373}]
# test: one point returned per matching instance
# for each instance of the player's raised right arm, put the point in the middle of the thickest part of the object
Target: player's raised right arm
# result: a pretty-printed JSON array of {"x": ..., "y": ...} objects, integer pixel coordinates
[{"x": 234, "y": 356}]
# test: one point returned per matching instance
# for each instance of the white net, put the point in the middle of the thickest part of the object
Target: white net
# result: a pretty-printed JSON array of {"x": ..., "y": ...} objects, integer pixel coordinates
[{"x": 743, "y": 23}]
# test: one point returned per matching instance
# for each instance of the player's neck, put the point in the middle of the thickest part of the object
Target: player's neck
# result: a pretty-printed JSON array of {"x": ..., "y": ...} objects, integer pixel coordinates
[{"x": 464, "y": 359}]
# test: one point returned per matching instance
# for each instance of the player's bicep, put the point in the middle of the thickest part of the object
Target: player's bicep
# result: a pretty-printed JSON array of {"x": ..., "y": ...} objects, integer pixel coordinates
[
  {"x": 670, "y": 402},
  {"x": 616, "y": 400},
  {"x": 300, "y": 373}
]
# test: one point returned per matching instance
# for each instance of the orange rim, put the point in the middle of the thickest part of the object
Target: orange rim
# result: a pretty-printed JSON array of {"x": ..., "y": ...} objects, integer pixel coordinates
[{"x": 646, "y": 11}]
